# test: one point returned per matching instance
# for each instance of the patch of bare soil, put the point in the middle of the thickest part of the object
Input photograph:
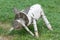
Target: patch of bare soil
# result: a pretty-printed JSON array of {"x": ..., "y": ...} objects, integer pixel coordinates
[
  {"x": 5, "y": 25},
  {"x": 5, "y": 37}
]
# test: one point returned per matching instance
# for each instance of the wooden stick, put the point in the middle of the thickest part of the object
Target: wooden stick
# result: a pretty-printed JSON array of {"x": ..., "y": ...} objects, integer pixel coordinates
[
  {"x": 25, "y": 27},
  {"x": 10, "y": 30},
  {"x": 35, "y": 28},
  {"x": 28, "y": 29},
  {"x": 46, "y": 21}
]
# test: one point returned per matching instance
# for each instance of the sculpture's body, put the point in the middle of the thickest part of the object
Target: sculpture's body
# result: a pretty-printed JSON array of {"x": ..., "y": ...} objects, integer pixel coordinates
[{"x": 30, "y": 16}]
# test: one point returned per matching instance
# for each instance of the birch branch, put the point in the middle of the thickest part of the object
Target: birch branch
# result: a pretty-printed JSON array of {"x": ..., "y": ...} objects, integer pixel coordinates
[
  {"x": 46, "y": 21},
  {"x": 27, "y": 29}
]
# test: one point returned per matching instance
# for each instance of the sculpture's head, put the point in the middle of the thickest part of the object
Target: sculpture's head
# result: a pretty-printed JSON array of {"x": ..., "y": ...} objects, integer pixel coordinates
[{"x": 20, "y": 17}]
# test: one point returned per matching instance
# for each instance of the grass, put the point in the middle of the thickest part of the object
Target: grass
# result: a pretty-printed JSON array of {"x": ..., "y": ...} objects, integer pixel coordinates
[{"x": 51, "y": 9}]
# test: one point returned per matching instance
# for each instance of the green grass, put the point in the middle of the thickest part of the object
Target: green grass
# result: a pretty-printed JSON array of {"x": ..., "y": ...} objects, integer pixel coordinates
[{"x": 51, "y": 9}]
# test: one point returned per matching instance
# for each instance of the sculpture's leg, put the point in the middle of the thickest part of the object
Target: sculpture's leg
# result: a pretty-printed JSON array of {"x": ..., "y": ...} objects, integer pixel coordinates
[
  {"x": 35, "y": 28},
  {"x": 10, "y": 30},
  {"x": 26, "y": 28},
  {"x": 46, "y": 21}
]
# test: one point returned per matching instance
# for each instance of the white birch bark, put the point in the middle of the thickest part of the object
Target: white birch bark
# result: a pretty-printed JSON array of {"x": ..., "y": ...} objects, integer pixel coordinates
[
  {"x": 46, "y": 21},
  {"x": 35, "y": 28},
  {"x": 27, "y": 29}
]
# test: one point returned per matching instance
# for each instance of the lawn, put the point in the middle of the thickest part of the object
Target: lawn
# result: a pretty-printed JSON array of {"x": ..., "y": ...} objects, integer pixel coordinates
[{"x": 51, "y": 9}]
